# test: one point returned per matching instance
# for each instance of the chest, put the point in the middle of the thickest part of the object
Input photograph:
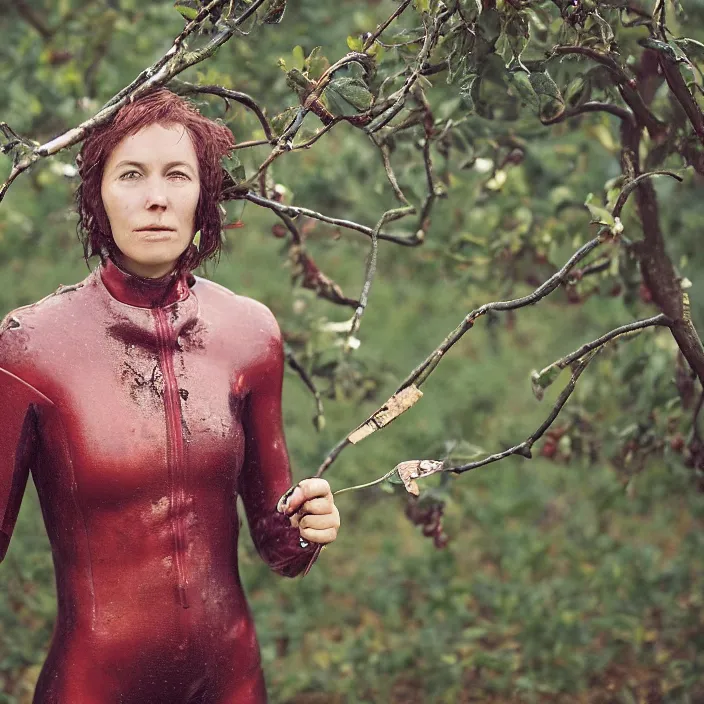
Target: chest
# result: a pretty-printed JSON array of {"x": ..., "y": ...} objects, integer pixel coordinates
[{"x": 141, "y": 419}]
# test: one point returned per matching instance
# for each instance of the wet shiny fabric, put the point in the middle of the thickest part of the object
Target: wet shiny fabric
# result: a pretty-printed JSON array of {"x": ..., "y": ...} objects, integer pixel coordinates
[{"x": 142, "y": 409}]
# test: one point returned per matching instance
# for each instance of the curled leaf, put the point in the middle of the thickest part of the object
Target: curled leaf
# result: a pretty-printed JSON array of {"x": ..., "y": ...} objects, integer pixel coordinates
[
  {"x": 411, "y": 470},
  {"x": 399, "y": 403}
]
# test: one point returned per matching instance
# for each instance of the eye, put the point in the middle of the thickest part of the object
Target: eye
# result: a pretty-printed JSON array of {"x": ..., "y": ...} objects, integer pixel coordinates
[
  {"x": 178, "y": 173},
  {"x": 127, "y": 173}
]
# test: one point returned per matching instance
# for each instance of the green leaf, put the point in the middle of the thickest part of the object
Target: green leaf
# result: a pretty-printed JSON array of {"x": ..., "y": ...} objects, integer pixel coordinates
[
  {"x": 422, "y": 5},
  {"x": 522, "y": 88},
  {"x": 316, "y": 64},
  {"x": 281, "y": 121},
  {"x": 196, "y": 240},
  {"x": 599, "y": 213},
  {"x": 189, "y": 9},
  {"x": 355, "y": 43},
  {"x": 549, "y": 96},
  {"x": 489, "y": 25},
  {"x": 298, "y": 81},
  {"x": 541, "y": 380},
  {"x": 299, "y": 57},
  {"x": 352, "y": 91},
  {"x": 577, "y": 92}
]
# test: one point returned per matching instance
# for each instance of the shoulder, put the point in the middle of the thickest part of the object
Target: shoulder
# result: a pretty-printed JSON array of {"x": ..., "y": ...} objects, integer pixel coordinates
[
  {"x": 244, "y": 310},
  {"x": 47, "y": 308},
  {"x": 22, "y": 329}
]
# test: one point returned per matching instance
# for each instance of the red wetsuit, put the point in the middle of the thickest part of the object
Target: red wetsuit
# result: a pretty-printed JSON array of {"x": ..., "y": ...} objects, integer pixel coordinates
[{"x": 143, "y": 408}]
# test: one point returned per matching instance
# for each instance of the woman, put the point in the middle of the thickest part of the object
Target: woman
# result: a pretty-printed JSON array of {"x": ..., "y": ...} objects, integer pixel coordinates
[{"x": 144, "y": 400}]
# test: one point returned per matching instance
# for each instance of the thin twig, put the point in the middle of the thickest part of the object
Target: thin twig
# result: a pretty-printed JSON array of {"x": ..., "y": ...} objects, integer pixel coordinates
[
  {"x": 174, "y": 61},
  {"x": 378, "y": 31},
  {"x": 293, "y": 210},
  {"x": 524, "y": 448},
  {"x": 423, "y": 370},
  {"x": 303, "y": 374},
  {"x": 632, "y": 185},
  {"x": 589, "y": 107},
  {"x": 627, "y": 329},
  {"x": 185, "y": 88}
]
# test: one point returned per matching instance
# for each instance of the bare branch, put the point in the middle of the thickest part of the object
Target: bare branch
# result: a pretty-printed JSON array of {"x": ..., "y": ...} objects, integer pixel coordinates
[
  {"x": 627, "y": 329},
  {"x": 626, "y": 85},
  {"x": 378, "y": 31},
  {"x": 604, "y": 59},
  {"x": 424, "y": 369},
  {"x": 588, "y": 107},
  {"x": 679, "y": 88},
  {"x": 174, "y": 61},
  {"x": 695, "y": 419},
  {"x": 371, "y": 268},
  {"x": 293, "y": 210},
  {"x": 319, "y": 419},
  {"x": 524, "y": 449},
  {"x": 632, "y": 185},
  {"x": 185, "y": 88},
  {"x": 431, "y": 38}
]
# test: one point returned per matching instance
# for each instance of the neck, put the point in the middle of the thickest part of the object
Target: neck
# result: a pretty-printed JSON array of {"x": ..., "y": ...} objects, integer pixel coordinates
[
  {"x": 144, "y": 271},
  {"x": 144, "y": 291}
]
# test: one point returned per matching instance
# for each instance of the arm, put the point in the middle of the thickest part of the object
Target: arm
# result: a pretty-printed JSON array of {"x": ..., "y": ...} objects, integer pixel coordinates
[
  {"x": 18, "y": 444},
  {"x": 266, "y": 473}
]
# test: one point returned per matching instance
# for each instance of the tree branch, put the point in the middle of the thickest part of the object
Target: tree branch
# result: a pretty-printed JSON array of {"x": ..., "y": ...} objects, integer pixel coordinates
[
  {"x": 524, "y": 448},
  {"x": 185, "y": 88},
  {"x": 591, "y": 106},
  {"x": 293, "y": 210},
  {"x": 380, "y": 28},
  {"x": 174, "y": 61},
  {"x": 679, "y": 88},
  {"x": 423, "y": 370},
  {"x": 626, "y": 86},
  {"x": 293, "y": 362}
]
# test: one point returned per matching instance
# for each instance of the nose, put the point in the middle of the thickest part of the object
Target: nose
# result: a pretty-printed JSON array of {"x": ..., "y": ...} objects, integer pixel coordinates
[{"x": 156, "y": 195}]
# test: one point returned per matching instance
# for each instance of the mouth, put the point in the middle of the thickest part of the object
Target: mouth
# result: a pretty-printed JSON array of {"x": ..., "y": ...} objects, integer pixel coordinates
[{"x": 156, "y": 235}]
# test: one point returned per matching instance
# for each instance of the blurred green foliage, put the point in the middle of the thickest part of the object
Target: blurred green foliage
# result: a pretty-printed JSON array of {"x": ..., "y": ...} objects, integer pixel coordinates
[{"x": 577, "y": 577}]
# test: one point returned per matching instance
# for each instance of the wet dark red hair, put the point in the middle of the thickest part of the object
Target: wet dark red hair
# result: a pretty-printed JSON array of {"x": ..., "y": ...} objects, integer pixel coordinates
[{"x": 211, "y": 140}]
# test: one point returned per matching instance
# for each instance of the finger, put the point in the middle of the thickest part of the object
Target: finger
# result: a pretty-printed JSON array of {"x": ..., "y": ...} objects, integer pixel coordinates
[
  {"x": 314, "y": 487},
  {"x": 324, "y": 504},
  {"x": 296, "y": 518},
  {"x": 305, "y": 490},
  {"x": 329, "y": 520},
  {"x": 291, "y": 501},
  {"x": 319, "y": 536}
]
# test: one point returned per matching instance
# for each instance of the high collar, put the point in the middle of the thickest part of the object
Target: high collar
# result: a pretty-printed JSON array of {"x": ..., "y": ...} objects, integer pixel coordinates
[{"x": 143, "y": 292}]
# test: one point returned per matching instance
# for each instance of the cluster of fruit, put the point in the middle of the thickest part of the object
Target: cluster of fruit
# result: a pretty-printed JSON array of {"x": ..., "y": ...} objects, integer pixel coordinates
[
  {"x": 552, "y": 440},
  {"x": 428, "y": 514}
]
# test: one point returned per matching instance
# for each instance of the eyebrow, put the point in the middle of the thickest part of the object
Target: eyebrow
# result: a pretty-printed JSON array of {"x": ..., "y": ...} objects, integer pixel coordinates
[{"x": 142, "y": 166}]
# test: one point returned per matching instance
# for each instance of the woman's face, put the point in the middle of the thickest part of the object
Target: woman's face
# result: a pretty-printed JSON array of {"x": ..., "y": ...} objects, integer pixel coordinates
[{"x": 150, "y": 191}]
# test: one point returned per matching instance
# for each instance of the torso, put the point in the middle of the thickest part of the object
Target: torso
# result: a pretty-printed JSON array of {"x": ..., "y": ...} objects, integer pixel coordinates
[{"x": 141, "y": 447}]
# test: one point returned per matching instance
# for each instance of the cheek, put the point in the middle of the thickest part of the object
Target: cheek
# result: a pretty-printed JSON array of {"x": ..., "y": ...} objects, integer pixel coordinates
[
  {"x": 117, "y": 206},
  {"x": 190, "y": 204}
]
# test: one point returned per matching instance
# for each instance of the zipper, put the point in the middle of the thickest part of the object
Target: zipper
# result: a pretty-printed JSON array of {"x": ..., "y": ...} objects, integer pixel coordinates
[{"x": 174, "y": 450}]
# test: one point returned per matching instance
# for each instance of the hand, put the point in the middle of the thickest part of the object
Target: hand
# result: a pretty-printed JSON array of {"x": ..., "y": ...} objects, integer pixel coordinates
[{"x": 312, "y": 510}]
